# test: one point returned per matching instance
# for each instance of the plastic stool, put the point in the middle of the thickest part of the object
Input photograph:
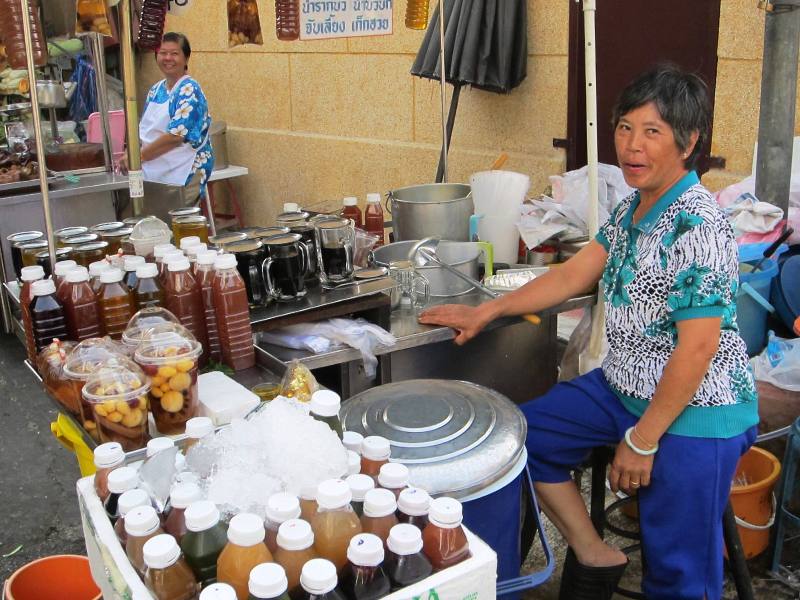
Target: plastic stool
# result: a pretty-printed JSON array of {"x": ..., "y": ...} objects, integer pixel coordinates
[{"x": 785, "y": 517}]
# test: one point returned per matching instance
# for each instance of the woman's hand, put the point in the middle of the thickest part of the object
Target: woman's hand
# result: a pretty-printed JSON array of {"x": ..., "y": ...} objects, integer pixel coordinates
[
  {"x": 122, "y": 165},
  {"x": 466, "y": 320},
  {"x": 629, "y": 471}
]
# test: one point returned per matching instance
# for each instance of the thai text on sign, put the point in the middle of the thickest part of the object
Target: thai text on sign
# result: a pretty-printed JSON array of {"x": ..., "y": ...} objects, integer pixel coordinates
[{"x": 325, "y": 19}]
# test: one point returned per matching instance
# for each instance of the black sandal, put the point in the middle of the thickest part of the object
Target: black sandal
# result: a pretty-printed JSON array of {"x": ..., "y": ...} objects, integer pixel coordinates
[{"x": 579, "y": 582}]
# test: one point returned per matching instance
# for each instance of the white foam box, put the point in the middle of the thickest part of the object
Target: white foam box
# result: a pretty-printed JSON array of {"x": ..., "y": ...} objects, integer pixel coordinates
[
  {"x": 222, "y": 399},
  {"x": 473, "y": 579}
]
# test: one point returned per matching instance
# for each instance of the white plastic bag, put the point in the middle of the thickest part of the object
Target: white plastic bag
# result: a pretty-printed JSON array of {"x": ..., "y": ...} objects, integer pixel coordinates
[{"x": 779, "y": 364}]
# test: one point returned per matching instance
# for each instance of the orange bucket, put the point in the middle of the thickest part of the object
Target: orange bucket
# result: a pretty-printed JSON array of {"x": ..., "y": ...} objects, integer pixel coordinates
[
  {"x": 53, "y": 578},
  {"x": 754, "y": 503}
]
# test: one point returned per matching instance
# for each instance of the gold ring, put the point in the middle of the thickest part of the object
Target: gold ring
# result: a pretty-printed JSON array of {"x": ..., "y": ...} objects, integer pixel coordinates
[{"x": 635, "y": 484}]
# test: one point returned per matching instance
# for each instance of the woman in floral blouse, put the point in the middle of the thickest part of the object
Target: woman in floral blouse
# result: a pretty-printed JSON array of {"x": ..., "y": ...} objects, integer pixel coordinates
[{"x": 675, "y": 393}]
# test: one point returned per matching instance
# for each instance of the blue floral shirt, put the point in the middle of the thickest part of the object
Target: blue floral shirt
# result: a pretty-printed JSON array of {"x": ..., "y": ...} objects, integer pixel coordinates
[
  {"x": 189, "y": 118},
  {"x": 680, "y": 261}
]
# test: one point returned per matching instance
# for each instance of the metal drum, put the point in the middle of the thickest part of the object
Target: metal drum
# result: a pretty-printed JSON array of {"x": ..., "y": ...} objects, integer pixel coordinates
[{"x": 439, "y": 210}]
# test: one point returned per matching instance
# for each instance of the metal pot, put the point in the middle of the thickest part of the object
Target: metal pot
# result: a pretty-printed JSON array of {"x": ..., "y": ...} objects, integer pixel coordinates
[
  {"x": 439, "y": 210},
  {"x": 51, "y": 91},
  {"x": 463, "y": 256},
  {"x": 219, "y": 143}
]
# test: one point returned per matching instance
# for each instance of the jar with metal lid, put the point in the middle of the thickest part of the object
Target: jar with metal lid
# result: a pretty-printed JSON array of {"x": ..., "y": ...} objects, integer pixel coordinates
[
  {"x": 176, "y": 213},
  {"x": 85, "y": 254},
  {"x": 115, "y": 238},
  {"x": 83, "y": 238},
  {"x": 188, "y": 226},
  {"x": 15, "y": 240},
  {"x": 29, "y": 251},
  {"x": 100, "y": 228},
  {"x": 131, "y": 221},
  {"x": 67, "y": 232},
  {"x": 287, "y": 219},
  {"x": 250, "y": 257},
  {"x": 222, "y": 240},
  {"x": 259, "y": 233},
  {"x": 285, "y": 268},
  {"x": 43, "y": 258}
]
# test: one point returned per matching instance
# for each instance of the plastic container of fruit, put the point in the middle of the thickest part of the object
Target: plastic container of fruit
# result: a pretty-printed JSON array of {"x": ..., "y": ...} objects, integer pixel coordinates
[
  {"x": 141, "y": 323},
  {"x": 168, "y": 354},
  {"x": 117, "y": 394},
  {"x": 50, "y": 364}
]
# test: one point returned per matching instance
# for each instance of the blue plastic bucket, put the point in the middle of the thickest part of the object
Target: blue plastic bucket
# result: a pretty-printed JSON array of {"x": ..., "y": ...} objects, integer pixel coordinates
[{"x": 751, "y": 313}]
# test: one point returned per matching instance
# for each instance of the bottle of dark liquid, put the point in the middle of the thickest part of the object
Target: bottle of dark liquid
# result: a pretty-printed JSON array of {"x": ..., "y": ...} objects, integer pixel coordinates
[
  {"x": 181, "y": 496},
  {"x": 147, "y": 291},
  {"x": 375, "y": 452},
  {"x": 141, "y": 524},
  {"x": 29, "y": 275},
  {"x": 373, "y": 218},
  {"x": 405, "y": 562},
  {"x": 126, "y": 503},
  {"x": 281, "y": 507},
  {"x": 167, "y": 575},
  {"x": 116, "y": 303},
  {"x": 268, "y": 582},
  {"x": 184, "y": 301},
  {"x": 359, "y": 484},
  {"x": 350, "y": 210},
  {"x": 81, "y": 307},
  {"x": 287, "y": 20},
  {"x": 319, "y": 581},
  {"x": 365, "y": 578},
  {"x": 11, "y": 32},
  {"x": 204, "y": 540},
  {"x": 95, "y": 269},
  {"x": 47, "y": 314},
  {"x": 233, "y": 314},
  {"x": 379, "y": 517},
  {"x": 119, "y": 481},
  {"x": 325, "y": 405},
  {"x": 129, "y": 264},
  {"x": 445, "y": 541},
  {"x": 295, "y": 549},
  {"x": 59, "y": 277},
  {"x": 412, "y": 507},
  {"x": 107, "y": 457}
]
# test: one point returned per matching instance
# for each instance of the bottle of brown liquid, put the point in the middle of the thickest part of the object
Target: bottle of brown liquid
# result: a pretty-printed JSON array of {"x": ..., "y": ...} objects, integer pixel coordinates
[
  {"x": 417, "y": 14},
  {"x": 245, "y": 549},
  {"x": 11, "y": 33},
  {"x": 148, "y": 292},
  {"x": 287, "y": 20},
  {"x": 167, "y": 575},
  {"x": 29, "y": 275},
  {"x": 412, "y": 507},
  {"x": 350, "y": 210},
  {"x": 295, "y": 548},
  {"x": 445, "y": 542},
  {"x": 185, "y": 302},
  {"x": 181, "y": 496},
  {"x": 281, "y": 507},
  {"x": 116, "y": 303},
  {"x": 233, "y": 314},
  {"x": 393, "y": 477},
  {"x": 81, "y": 307},
  {"x": 335, "y": 522},
  {"x": 375, "y": 452},
  {"x": 130, "y": 263},
  {"x": 47, "y": 315},
  {"x": 95, "y": 269},
  {"x": 379, "y": 516},
  {"x": 204, "y": 273},
  {"x": 141, "y": 524},
  {"x": 107, "y": 457},
  {"x": 127, "y": 502},
  {"x": 59, "y": 277}
]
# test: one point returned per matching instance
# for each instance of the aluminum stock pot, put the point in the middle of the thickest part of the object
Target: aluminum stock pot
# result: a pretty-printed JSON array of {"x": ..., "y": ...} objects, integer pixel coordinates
[{"x": 439, "y": 210}]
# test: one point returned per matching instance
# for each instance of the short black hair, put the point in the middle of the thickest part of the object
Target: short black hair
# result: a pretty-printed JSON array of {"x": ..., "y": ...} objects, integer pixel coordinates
[
  {"x": 681, "y": 99},
  {"x": 181, "y": 40}
]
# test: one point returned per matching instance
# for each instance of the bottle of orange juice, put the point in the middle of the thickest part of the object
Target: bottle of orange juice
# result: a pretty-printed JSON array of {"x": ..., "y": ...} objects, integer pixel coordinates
[{"x": 245, "y": 549}]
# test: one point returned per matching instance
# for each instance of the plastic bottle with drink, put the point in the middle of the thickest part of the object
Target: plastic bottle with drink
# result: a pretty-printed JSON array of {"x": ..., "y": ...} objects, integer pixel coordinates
[
  {"x": 353, "y": 463},
  {"x": 295, "y": 548},
  {"x": 29, "y": 275},
  {"x": 281, "y": 507},
  {"x": 116, "y": 303},
  {"x": 218, "y": 591},
  {"x": 444, "y": 539},
  {"x": 287, "y": 20},
  {"x": 141, "y": 524},
  {"x": 81, "y": 307},
  {"x": 359, "y": 484},
  {"x": 233, "y": 314},
  {"x": 350, "y": 210},
  {"x": 335, "y": 522},
  {"x": 379, "y": 517},
  {"x": 365, "y": 578},
  {"x": 127, "y": 502},
  {"x": 148, "y": 291},
  {"x": 181, "y": 496},
  {"x": 107, "y": 457},
  {"x": 417, "y": 14},
  {"x": 412, "y": 507},
  {"x": 130, "y": 263},
  {"x": 268, "y": 582},
  {"x": 59, "y": 277},
  {"x": 319, "y": 581},
  {"x": 95, "y": 269},
  {"x": 406, "y": 564},
  {"x": 245, "y": 549},
  {"x": 204, "y": 540},
  {"x": 167, "y": 575},
  {"x": 325, "y": 405},
  {"x": 375, "y": 452},
  {"x": 373, "y": 218},
  {"x": 11, "y": 32},
  {"x": 184, "y": 301},
  {"x": 48, "y": 321},
  {"x": 204, "y": 273},
  {"x": 393, "y": 477},
  {"x": 352, "y": 440}
]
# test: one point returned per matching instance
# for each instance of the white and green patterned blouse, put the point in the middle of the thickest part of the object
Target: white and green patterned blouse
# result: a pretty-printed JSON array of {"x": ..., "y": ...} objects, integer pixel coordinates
[{"x": 680, "y": 261}]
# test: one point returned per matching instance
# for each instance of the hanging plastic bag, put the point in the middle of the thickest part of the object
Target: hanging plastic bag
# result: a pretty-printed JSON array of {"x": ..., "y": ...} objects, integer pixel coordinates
[
  {"x": 779, "y": 364},
  {"x": 92, "y": 17},
  {"x": 244, "y": 26},
  {"x": 576, "y": 360},
  {"x": 84, "y": 99}
]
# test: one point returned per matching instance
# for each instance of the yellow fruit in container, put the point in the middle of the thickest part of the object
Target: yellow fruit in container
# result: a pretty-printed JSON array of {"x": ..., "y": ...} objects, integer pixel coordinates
[
  {"x": 123, "y": 408},
  {"x": 180, "y": 382},
  {"x": 184, "y": 365},
  {"x": 166, "y": 371},
  {"x": 142, "y": 403},
  {"x": 164, "y": 387},
  {"x": 109, "y": 406},
  {"x": 156, "y": 391},
  {"x": 89, "y": 425},
  {"x": 133, "y": 419},
  {"x": 114, "y": 417},
  {"x": 172, "y": 401},
  {"x": 98, "y": 408},
  {"x": 157, "y": 380}
]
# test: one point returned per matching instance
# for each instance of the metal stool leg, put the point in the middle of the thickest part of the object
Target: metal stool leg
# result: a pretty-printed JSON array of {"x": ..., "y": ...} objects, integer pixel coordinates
[
  {"x": 234, "y": 200},
  {"x": 599, "y": 460},
  {"x": 736, "y": 559},
  {"x": 785, "y": 493}
]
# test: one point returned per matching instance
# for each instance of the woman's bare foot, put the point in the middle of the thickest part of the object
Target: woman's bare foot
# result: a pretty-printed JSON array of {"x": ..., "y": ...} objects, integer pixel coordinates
[{"x": 600, "y": 555}]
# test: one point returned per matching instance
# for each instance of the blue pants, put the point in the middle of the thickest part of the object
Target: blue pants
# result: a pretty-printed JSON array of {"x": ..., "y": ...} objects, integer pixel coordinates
[{"x": 680, "y": 512}]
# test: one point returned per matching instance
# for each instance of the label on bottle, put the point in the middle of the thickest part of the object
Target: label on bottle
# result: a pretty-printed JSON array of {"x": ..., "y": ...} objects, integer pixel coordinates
[{"x": 136, "y": 184}]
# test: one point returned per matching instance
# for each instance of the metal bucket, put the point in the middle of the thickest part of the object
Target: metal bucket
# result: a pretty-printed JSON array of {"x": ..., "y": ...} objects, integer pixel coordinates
[
  {"x": 432, "y": 210},
  {"x": 461, "y": 255}
]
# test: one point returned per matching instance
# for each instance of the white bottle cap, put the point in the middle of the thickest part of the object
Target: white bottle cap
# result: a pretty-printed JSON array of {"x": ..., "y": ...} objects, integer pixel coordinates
[
  {"x": 201, "y": 515},
  {"x": 63, "y": 266},
  {"x": 179, "y": 265},
  {"x": 353, "y": 463},
  {"x": 157, "y": 444},
  {"x": 218, "y": 591},
  {"x": 352, "y": 441},
  {"x": 111, "y": 275},
  {"x": 141, "y": 521},
  {"x": 225, "y": 261},
  {"x": 131, "y": 262},
  {"x": 98, "y": 267},
  {"x": 161, "y": 551},
  {"x": 108, "y": 455},
  {"x": 197, "y": 427},
  {"x": 77, "y": 274},
  {"x": 43, "y": 287},
  {"x": 333, "y": 493},
  {"x": 318, "y": 576},
  {"x": 207, "y": 258},
  {"x": 159, "y": 250},
  {"x": 446, "y": 513},
  {"x": 132, "y": 499},
  {"x": 404, "y": 539},
  {"x": 325, "y": 403},
  {"x": 246, "y": 529},
  {"x": 123, "y": 479},
  {"x": 393, "y": 476},
  {"x": 295, "y": 534},
  {"x": 375, "y": 447},
  {"x": 267, "y": 580},
  {"x": 359, "y": 486},
  {"x": 147, "y": 270},
  {"x": 374, "y": 198},
  {"x": 194, "y": 250},
  {"x": 173, "y": 255},
  {"x": 282, "y": 507},
  {"x": 291, "y": 207},
  {"x": 184, "y": 494},
  {"x": 31, "y": 273},
  {"x": 365, "y": 550},
  {"x": 379, "y": 503},
  {"x": 350, "y": 201},
  {"x": 414, "y": 502},
  {"x": 191, "y": 240}
]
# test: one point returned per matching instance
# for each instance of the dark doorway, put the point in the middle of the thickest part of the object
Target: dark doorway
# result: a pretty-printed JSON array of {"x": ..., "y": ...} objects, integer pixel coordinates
[{"x": 632, "y": 35}]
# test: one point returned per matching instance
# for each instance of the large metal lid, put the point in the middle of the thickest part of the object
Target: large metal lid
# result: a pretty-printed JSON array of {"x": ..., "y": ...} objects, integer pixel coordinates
[{"x": 455, "y": 437}]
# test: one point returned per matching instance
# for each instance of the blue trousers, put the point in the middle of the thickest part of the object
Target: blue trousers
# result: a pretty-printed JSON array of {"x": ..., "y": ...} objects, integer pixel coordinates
[{"x": 680, "y": 512}]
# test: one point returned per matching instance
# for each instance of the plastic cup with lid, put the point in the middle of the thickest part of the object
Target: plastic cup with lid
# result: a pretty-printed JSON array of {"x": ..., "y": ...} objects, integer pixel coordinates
[
  {"x": 379, "y": 503},
  {"x": 246, "y": 529},
  {"x": 201, "y": 515},
  {"x": 365, "y": 550},
  {"x": 352, "y": 441},
  {"x": 149, "y": 233},
  {"x": 143, "y": 321},
  {"x": 161, "y": 551},
  {"x": 267, "y": 580},
  {"x": 404, "y": 539},
  {"x": 218, "y": 591},
  {"x": 86, "y": 359},
  {"x": 333, "y": 494},
  {"x": 295, "y": 534},
  {"x": 318, "y": 576}
]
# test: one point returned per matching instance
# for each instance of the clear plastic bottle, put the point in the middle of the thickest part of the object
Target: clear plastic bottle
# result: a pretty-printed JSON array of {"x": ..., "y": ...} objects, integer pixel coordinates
[
  {"x": 325, "y": 405},
  {"x": 335, "y": 522},
  {"x": 116, "y": 303},
  {"x": 359, "y": 484},
  {"x": 412, "y": 507},
  {"x": 268, "y": 582},
  {"x": 379, "y": 515},
  {"x": 417, "y": 14},
  {"x": 204, "y": 273},
  {"x": 167, "y": 575},
  {"x": 192, "y": 252},
  {"x": 350, "y": 210},
  {"x": 375, "y": 452},
  {"x": 233, "y": 314},
  {"x": 141, "y": 524},
  {"x": 181, "y": 496},
  {"x": 373, "y": 218},
  {"x": 95, "y": 269},
  {"x": 59, "y": 276},
  {"x": 245, "y": 549},
  {"x": 204, "y": 540},
  {"x": 319, "y": 581},
  {"x": 29, "y": 275},
  {"x": 107, "y": 457},
  {"x": 185, "y": 302},
  {"x": 295, "y": 548},
  {"x": 281, "y": 507},
  {"x": 365, "y": 578},
  {"x": 11, "y": 33},
  {"x": 48, "y": 321},
  {"x": 129, "y": 264},
  {"x": 406, "y": 564},
  {"x": 308, "y": 502},
  {"x": 444, "y": 539},
  {"x": 81, "y": 307},
  {"x": 393, "y": 477},
  {"x": 196, "y": 429},
  {"x": 148, "y": 291},
  {"x": 163, "y": 272},
  {"x": 127, "y": 502},
  {"x": 352, "y": 440},
  {"x": 287, "y": 20},
  {"x": 159, "y": 252}
]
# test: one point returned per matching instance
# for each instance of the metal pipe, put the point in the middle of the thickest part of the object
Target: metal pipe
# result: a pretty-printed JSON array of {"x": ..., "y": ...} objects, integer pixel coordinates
[
  {"x": 135, "y": 175},
  {"x": 27, "y": 27},
  {"x": 778, "y": 98},
  {"x": 99, "y": 64},
  {"x": 443, "y": 93}
]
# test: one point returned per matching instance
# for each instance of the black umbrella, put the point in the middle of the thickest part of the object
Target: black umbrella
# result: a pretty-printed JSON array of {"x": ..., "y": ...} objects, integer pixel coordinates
[{"x": 486, "y": 46}]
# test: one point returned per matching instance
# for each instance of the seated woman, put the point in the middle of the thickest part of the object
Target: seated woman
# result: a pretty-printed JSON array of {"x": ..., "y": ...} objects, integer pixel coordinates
[{"x": 675, "y": 392}]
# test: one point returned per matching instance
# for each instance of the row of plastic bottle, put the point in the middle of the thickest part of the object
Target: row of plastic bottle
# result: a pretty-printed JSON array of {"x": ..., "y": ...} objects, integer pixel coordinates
[{"x": 371, "y": 221}]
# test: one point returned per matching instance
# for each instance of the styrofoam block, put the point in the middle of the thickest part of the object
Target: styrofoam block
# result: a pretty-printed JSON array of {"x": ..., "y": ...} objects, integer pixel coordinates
[{"x": 222, "y": 399}]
